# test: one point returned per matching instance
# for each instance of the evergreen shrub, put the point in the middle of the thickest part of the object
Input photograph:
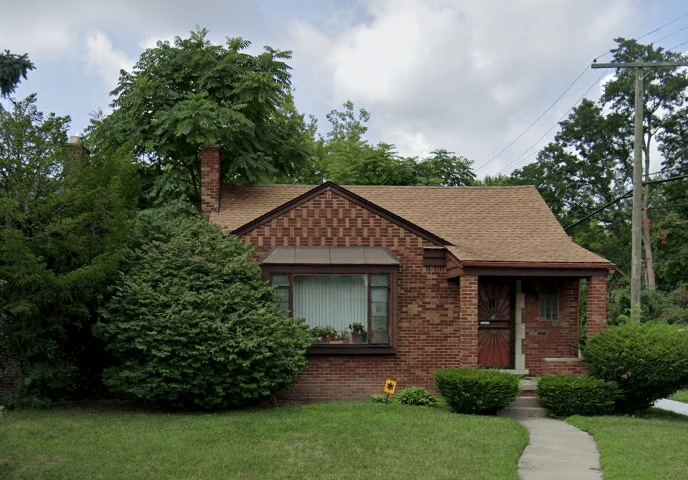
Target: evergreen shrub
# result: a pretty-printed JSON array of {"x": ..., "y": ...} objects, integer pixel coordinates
[
  {"x": 648, "y": 361},
  {"x": 416, "y": 396},
  {"x": 477, "y": 391},
  {"x": 191, "y": 324},
  {"x": 568, "y": 395}
]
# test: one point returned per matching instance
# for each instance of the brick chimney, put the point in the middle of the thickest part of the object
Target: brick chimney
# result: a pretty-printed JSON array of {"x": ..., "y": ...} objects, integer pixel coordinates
[
  {"x": 75, "y": 149},
  {"x": 211, "y": 157}
]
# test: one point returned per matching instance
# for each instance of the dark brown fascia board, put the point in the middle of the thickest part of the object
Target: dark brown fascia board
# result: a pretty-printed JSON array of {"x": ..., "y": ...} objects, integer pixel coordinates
[
  {"x": 536, "y": 272},
  {"x": 360, "y": 201},
  {"x": 547, "y": 265}
]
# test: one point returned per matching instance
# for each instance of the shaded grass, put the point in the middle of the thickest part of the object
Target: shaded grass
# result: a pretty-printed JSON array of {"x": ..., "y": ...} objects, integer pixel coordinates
[
  {"x": 315, "y": 441},
  {"x": 654, "y": 446},
  {"x": 681, "y": 396}
]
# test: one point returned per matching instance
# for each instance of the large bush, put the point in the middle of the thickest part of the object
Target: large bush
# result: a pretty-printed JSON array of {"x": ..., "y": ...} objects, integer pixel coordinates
[
  {"x": 191, "y": 324},
  {"x": 648, "y": 362},
  {"x": 568, "y": 395},
  {"x": 477, "y": 391}
]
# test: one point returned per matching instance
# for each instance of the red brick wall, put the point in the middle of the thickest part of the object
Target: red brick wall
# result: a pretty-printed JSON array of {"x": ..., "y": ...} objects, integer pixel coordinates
[
  {"x": 427, "y": 333},
  {"x": 210, "y": 179},
  {"x": 468, "y": 320},
  {"x": 550, "y": 338},
  {"x": 597, "y": 305}
]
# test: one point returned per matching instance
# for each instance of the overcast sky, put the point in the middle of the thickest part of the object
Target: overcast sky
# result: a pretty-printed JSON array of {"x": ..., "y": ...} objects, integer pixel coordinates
[{"x": 467, "y": 76}]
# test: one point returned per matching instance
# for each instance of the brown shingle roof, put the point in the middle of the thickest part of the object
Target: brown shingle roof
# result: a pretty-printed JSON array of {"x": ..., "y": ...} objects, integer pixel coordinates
[{"x": 484, "y": 224}]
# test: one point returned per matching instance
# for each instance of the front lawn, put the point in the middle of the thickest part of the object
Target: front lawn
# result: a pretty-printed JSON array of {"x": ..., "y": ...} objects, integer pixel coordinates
[
  {"x": 654, "y": 446},
  {"x": 315, "y": 441},
  {"x": 681, "y": 396}
]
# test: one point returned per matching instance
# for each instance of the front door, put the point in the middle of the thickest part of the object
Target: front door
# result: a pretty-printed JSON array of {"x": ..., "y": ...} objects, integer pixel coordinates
[{"x": 495, "y": 324}]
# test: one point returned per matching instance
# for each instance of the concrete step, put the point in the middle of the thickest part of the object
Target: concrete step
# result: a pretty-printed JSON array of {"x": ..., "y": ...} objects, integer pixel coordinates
[{"x": 524, "y": 407}]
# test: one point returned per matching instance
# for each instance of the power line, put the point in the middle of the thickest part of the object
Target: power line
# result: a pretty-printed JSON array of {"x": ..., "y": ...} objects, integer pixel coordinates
[
  {"x": 670, "y": 35},
  {"x": 536, "y": 120},
  {"x": 625, "y": 195},
  {"x": 665, "y": 25},
  {"x": 553, "y": 127},
  {"x": 564, "y": 93}
]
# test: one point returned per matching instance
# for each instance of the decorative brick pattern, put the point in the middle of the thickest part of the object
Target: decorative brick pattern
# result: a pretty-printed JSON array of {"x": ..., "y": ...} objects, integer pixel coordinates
[
  {"x": 427, "y": 335},
  {"x": 210, "y": 179}
]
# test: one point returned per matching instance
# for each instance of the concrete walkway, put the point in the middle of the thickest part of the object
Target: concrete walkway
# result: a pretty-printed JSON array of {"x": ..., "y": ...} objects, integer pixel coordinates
[
  {"x": 558, "y": 450},
  {"x": 672, "y": 406}
]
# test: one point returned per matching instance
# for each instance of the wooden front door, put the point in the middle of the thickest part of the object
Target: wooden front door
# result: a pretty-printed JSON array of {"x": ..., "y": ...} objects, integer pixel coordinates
[{"x": 495, "y": 324}]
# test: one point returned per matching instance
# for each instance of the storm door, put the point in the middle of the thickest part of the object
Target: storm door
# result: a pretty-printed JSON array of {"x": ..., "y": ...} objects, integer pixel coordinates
[{"x": 495, "y": 324}]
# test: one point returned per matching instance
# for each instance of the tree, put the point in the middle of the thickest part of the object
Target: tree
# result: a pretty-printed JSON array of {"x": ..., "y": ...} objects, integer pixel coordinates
[
  {"x": 61, "y": 228},
  {"x": 12, "y": 69},
  {"x": 343, "y": 156},
  {"x": 191, "y": 324},
  {"x": 589, "y": 164},
  {"x": 182, "y": 96}
]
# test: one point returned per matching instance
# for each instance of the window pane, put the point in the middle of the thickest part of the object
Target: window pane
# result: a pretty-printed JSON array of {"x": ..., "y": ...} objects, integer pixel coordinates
[
  {"x": 549, "y": 306},
  {"x": 331, "y": 300},
  {"x": 280, "y": 280},
  {"x": 378, "y": 309},
  {"x": 379, "y": 323},
  {"x": 378, "y": 294},
  {"x": 379, "y": 280}
]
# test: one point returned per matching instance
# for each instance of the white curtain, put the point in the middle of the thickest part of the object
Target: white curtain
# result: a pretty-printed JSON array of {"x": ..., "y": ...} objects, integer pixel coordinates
[{"x": 331, "y": 300}]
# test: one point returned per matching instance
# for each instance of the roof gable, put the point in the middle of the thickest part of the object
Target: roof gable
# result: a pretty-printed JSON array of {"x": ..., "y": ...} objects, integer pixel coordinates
[
  {"x": 477, "y": 224},
  {"x": 352, "y": 197}
]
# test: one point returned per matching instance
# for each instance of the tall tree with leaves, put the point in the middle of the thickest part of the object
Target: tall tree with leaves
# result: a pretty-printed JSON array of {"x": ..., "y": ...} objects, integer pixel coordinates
[
  {"x": 179, "y": 97},
  {"x": 343, "y": 156},
  {"x": 12, "y": 69},
  {"x": 589, "y": 164},
  {"x": 62, "y": 221}
]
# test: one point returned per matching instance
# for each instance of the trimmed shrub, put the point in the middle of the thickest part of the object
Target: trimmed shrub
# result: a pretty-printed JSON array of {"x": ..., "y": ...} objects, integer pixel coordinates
[
  {"x": 191, "y": 324},
  {"x": 648, "y": 362},
  {"x": 568, "y": 395},
  {"x": 477, "y": 391},
  {"x": 416, "y": 396}
]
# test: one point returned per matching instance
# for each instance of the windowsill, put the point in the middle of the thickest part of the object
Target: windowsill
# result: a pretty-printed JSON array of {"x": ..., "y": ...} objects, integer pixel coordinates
[{"x": 323, "y": 349}]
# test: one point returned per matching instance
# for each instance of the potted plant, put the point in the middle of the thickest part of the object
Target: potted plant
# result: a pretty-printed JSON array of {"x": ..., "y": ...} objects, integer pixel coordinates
[
  {"x": 358, "y": 332},
  {"x": 342, "y": 337},
  {"x": 324, "y": 334}
]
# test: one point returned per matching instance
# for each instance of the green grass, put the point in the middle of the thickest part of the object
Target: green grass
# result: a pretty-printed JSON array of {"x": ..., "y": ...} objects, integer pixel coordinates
[
  {"x": 681, "y": 396},
  {"x": 654, "y": 446},
  {"x": 315, "y": 441}
]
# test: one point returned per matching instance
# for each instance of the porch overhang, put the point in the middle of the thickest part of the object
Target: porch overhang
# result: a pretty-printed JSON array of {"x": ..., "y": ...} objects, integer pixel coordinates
[{"x": 527, "y": 269}]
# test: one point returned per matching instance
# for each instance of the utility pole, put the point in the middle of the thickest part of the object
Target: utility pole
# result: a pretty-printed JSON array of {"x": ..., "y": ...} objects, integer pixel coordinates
[{"x": 637, "y": 225}]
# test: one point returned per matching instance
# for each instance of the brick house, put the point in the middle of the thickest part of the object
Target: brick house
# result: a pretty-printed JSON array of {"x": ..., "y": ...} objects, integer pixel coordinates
[{"x": 434, "y": 276}]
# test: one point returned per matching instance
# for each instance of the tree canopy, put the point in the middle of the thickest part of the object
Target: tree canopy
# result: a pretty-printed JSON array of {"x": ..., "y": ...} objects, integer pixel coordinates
[
  {"x": 345, "y": 157},
  {"x": 181, "y": 96},
  {"x": 12, "y": 69},
  {"x": 62, "y": 220},
  {"x": 590, "y": 162}
]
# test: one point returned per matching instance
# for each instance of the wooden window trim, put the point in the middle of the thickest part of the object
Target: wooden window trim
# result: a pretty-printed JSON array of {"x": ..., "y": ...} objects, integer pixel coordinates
[{"x": 348, "y": 349}]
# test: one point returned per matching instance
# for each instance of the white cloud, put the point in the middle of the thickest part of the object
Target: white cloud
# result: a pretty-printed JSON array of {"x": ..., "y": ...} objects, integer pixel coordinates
[
  {"x": 466, "y": 76},
  {"x": 104, "y": 59}
]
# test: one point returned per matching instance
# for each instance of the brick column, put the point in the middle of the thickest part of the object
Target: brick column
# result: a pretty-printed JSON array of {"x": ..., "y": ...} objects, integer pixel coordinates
[
  {"x": 468, "y": 320},
  {"x": 597, "y": 305},
  {"x": 211, "y": 156}
]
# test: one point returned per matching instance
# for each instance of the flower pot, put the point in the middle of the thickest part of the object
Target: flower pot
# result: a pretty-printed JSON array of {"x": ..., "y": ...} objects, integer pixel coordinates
[{"x": 358, "y": 337}]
